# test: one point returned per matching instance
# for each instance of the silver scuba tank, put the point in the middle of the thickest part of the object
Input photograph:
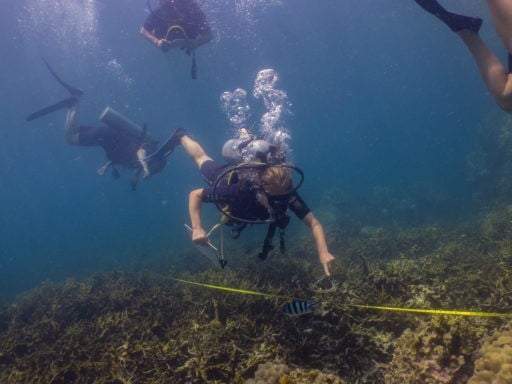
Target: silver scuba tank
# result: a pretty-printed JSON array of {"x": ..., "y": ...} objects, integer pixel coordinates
[{"x": 116, "y": 120}]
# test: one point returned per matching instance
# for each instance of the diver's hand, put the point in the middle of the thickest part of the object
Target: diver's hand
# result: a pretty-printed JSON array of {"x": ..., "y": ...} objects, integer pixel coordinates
[
  {"x": 326, "y": 260},
  {"x": 163, "y": 44},
  {"x": 199, "y": 236},
  {"x": 141, "y": 157}
]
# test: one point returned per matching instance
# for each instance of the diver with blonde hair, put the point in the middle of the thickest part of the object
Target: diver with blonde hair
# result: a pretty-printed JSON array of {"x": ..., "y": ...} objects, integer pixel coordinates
[{"x": 254, "y": 187}]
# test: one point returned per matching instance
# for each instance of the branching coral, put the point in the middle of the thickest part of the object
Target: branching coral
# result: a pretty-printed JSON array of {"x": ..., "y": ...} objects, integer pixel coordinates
[{"x": 147, "y": 328}]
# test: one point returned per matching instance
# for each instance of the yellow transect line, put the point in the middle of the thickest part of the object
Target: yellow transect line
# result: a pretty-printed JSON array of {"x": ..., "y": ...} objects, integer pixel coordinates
[
  {"x": 376, "y": 307},
  {"x": 235, "y": 290},
  {"x": 434, "y": 311}
]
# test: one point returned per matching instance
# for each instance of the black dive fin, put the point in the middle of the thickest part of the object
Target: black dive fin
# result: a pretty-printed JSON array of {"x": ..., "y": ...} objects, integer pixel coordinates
[
  {"x": 168, "y": 147},
  {"x": 66, "y": 103},
  {"x": 72, "y": 90},
  {"x": 161, "y": 152}
]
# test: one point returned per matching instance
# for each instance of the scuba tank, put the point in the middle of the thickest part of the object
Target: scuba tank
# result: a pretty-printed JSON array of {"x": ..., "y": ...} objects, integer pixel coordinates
[
  {"x": 236, "y": 151},
  {"x": 116, "y": 120}
]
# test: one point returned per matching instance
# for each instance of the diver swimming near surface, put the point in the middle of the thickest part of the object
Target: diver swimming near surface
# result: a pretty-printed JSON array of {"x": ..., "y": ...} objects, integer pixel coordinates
[
  {"x": 124, "y": 142},
  {"x": 256, "y": 190},
  {"x": 177, "y": 24}
]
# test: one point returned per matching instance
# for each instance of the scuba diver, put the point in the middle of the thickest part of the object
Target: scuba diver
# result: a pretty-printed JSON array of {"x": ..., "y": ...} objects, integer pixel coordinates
[
  {"x": 496, "y": 77},
  {"x": 124, "y": 142},
  {"x": 254, "y": 187},
  {"x": 177, "y": 24}
]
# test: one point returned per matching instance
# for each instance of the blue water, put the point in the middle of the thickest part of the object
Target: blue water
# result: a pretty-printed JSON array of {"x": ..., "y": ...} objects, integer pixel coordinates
[{"x": 382, "y": 95}]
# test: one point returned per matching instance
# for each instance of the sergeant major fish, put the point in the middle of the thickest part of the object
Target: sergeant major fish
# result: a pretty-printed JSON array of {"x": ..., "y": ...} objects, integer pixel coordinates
[{"x": 300, "y": 307}]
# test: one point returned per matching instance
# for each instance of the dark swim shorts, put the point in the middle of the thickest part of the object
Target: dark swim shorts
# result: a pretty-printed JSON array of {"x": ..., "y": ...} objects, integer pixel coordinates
[{"x": 211, "y": 169}]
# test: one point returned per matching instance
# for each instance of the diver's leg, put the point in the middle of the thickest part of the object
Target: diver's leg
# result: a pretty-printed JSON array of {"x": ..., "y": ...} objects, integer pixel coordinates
[
  {"x": 194, "y": 150},
  {"x": 496, "y": 77},
  {"x": 71, "y": 124},
  {"x": 454, "y": 21},
  {"x": 501, "y": 12},
  {"x": 494, "y": 74}
]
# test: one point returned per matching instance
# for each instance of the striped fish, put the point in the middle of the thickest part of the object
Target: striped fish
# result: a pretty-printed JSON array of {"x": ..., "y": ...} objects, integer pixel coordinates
[{"x": 300, "y": 307}]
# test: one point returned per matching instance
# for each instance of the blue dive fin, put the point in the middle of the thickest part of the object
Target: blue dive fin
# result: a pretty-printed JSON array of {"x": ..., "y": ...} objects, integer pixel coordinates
[{"x": 66, "y": 103}]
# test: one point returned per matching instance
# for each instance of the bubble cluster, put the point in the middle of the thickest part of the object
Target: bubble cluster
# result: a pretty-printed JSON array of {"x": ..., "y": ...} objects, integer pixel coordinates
[
  {"x": 277, "y": 106},
  {"x": 236, "y": 107},
  {"x": 116, "y": 69}
]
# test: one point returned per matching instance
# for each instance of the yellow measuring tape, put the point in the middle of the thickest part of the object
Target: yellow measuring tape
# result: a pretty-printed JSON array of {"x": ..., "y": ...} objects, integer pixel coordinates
[
  {"x": 376, "y": 307},
  {"x": 435, "y": 311},
  {"x": 235, "y": 290}
]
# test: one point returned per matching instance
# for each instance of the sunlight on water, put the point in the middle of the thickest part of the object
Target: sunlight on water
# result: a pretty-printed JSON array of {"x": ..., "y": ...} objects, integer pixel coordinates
[
  {"x": 237, "y": 18},
  {"x": 71, "y": 28},
  {"x": 68, "y": 22}
]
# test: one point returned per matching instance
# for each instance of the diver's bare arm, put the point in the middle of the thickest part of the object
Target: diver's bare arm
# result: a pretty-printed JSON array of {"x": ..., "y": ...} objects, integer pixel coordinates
[
  {"x": 160, "y": 43},
  {"x": 317, "y": 231},
  {"x": 194, "y": 208},
  {"x": 148, "y": 35}
]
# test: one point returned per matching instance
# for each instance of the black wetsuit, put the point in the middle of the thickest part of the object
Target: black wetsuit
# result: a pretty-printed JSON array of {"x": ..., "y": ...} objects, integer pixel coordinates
[
  {"x": 184, "y": 13},
  {"x": 120, "y": 147},
  {"x": 241, "y": 197}
]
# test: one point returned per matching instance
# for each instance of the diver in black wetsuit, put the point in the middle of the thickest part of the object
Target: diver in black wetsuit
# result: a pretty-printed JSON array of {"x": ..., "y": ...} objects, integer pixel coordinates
[
  {"x": 125, "y": 144},
  {"x": 178, "y": 24},
  {"x": 497, "y": 78}
]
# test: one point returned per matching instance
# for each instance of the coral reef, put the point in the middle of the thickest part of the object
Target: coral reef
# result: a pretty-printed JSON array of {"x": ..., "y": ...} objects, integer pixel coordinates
[
  {"x": 269, "y": 373},
  {"x": 145, "y": 327},
  {"x": 313, "y": 376},
  {"x": 494, "y": 364},
  {"x": 437, "y": 352},
  {"x": 272, "y": 373}
]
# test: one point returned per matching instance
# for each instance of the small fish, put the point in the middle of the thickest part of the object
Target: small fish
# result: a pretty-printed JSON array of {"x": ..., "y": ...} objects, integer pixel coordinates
[{"x": 300, "y": 307}]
